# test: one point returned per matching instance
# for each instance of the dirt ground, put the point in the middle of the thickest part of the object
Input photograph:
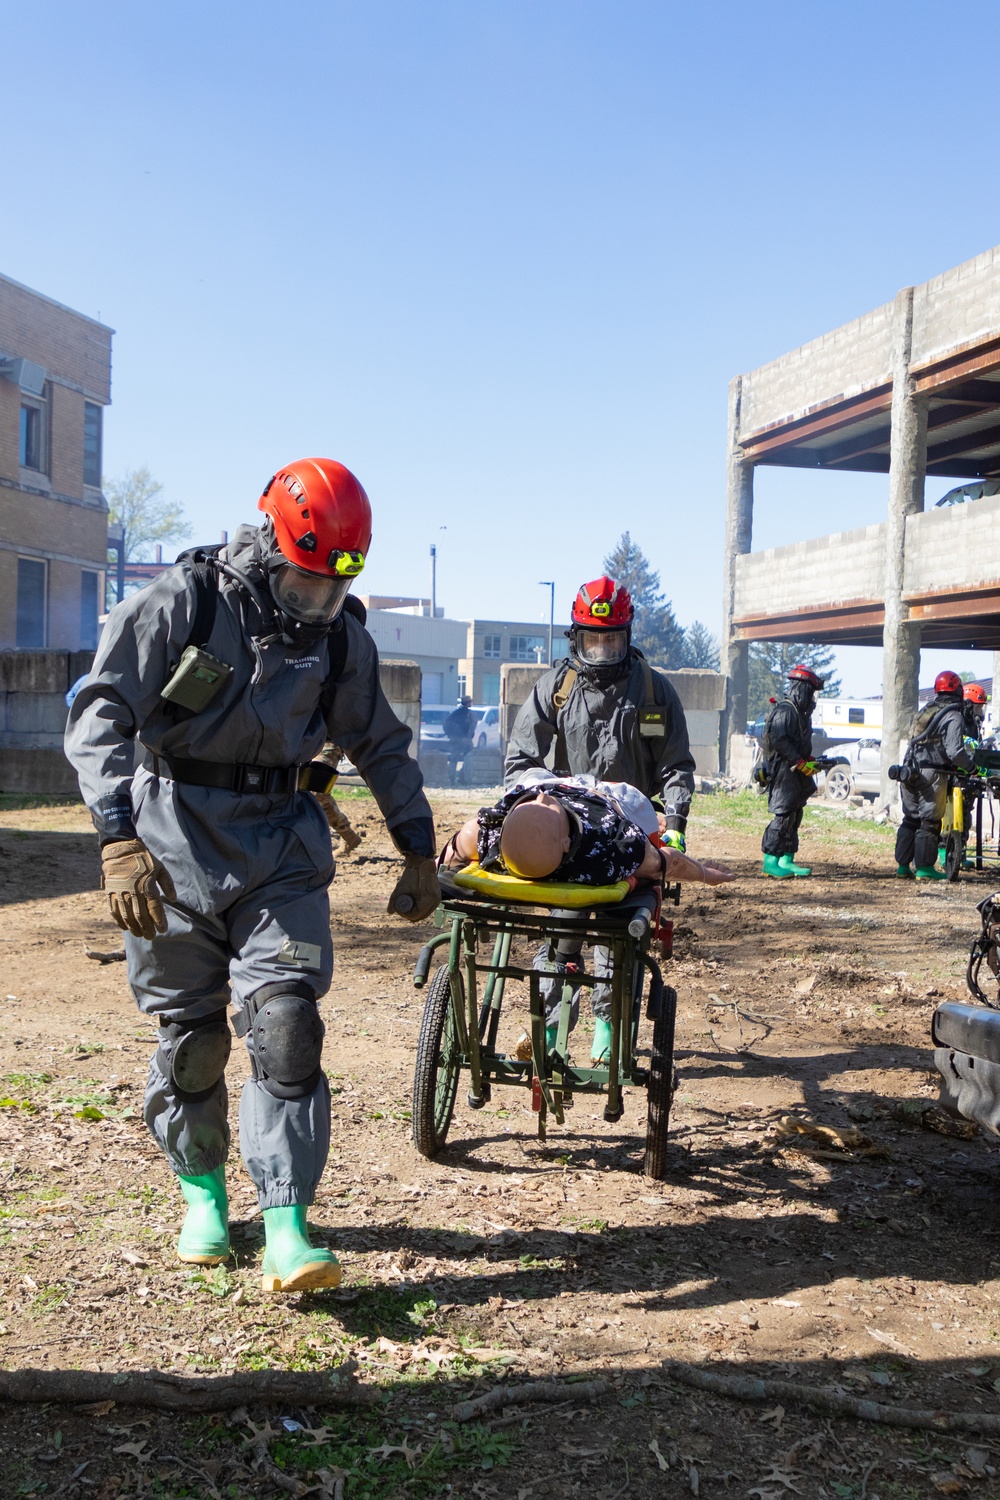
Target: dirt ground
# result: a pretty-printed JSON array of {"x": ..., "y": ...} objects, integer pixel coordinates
[{"x": 875, "y": 1270}]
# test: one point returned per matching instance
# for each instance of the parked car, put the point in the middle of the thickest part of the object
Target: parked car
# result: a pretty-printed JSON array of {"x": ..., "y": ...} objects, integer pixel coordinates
[
  {"x": 432, "y": 723},
  {"x": 488, "y": 728},
  {"x": 862, "y": 773}
]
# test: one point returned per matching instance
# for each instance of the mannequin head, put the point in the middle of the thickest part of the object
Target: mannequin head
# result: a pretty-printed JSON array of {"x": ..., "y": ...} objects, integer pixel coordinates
[{"x": 535, "y": 837}]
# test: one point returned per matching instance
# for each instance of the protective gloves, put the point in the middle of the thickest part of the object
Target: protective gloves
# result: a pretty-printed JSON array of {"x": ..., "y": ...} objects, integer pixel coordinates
[
  {"x": 807, "y": 767},
  {"x": 673, "y": 839},
  {"x": 135, "y": 882},
  {"x": 416, "y": 892}
]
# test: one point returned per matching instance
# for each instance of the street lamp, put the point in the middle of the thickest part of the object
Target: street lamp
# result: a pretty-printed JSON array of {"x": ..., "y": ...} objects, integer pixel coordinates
[{"x": 544, "y": 583}]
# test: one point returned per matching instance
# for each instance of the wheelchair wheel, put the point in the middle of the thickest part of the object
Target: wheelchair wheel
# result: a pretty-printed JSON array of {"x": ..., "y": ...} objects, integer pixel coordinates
[
  {"x": 660, "y": 1089},
  {"x": 954, "y": 855},
  {"x": 435, "y": 1077}
]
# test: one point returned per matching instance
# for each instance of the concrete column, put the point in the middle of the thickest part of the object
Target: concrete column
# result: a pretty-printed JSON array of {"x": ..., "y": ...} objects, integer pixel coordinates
[
  {"x": 907, "y": 469},
  {"x": 739, "y": 530}
]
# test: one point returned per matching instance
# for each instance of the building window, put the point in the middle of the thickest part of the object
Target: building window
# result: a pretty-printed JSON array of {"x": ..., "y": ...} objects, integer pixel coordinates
[
  {"x": 33, "y": 435},
  {"x": 527, "y": 647},
  {"x": 460, "y": 688},
  {"x": 30, "y": 602},
  {"x": 491, "y": 645},
  {"x": 491, "y": 687},
  {"x": 88, "y": 611},
  {"x": 92, "y": 416}
]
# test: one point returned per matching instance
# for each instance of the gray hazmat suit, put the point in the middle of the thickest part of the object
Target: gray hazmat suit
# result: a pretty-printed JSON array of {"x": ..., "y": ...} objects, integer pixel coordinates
[
  {"x": 597, "y": 732},
  {"x": 937, "y": 747},
  {"x": 251, "y": 870}
]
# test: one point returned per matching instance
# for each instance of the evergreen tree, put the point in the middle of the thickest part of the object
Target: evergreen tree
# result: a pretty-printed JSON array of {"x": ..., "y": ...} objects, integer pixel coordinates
[
  {"x": 770, "y": 662},
  {"x": 701, "y": 648},
  {"x": 655, "y": 631}
]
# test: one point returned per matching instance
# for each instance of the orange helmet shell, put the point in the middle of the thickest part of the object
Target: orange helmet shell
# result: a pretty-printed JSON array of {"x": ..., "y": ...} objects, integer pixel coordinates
[
  {"x": 603, "y": 605},
  {"x": 973, "y": 693},
  {"x": 321, "y": 515}
]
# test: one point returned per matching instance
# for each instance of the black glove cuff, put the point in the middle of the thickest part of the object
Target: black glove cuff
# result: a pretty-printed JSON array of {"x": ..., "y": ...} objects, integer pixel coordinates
[
  {"x": 676, "y": 821},
  {"x": 114, "y": 819},
  {"x": 415, "y": 836}
]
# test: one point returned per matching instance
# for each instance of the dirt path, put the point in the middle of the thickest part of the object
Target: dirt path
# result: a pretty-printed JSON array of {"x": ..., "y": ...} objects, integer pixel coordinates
[{"x": 505, "y": 1259}]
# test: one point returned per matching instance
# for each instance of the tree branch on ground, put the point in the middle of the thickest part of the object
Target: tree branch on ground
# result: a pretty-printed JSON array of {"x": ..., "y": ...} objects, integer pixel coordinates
[
  {"x": 170, "y": 1392},
  {"x": 835, "y": 1403},
  {"x": 532, "y": 1390}
]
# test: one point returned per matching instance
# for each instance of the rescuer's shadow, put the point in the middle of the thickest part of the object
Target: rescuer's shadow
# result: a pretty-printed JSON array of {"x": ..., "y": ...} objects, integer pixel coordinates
[{"x": 35, "y": 866}]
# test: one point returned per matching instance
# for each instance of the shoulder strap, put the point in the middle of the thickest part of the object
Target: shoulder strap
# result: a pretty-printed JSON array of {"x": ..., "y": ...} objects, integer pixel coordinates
[
  {"x": 199, "y": 560},
  {"x": 338, "y": 643},
  {"x": 648, "y": 691},
  {"x": 566, "y": 685}
]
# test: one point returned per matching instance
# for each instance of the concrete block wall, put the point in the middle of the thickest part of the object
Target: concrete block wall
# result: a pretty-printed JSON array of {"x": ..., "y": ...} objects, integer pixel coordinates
[
  {"x": 844, "y": 362},
  {"x": 401, "y": 685},
  {"x": 702, "y": 695},
  {"x": 833, "y": 569},
  {"x": 33, "y": 685},
  {"x": 954, "y": 547},
  {"x": 958, "y": 307}
]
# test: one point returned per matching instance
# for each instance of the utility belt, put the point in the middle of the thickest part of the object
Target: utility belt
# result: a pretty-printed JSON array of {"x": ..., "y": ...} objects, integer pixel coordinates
[{"x": 315, "y": 776}]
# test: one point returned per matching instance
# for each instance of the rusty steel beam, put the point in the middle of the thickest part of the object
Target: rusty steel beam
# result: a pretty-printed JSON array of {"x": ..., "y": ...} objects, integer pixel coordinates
[{"x": 830, "y": 418}]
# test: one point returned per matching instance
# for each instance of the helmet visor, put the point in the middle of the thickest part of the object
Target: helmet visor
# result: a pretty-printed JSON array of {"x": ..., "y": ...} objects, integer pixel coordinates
[
  {"x": 312, "y": 598},
  {"x": 601, "y": 648}
]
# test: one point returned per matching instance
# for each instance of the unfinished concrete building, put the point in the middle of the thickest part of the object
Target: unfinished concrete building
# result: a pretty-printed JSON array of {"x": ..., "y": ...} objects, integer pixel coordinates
[{"x": 909, "y": 390}]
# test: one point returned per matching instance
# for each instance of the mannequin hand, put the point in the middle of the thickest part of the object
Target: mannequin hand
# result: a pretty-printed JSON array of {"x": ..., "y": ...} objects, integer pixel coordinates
[{"x": 135, "y": 882}]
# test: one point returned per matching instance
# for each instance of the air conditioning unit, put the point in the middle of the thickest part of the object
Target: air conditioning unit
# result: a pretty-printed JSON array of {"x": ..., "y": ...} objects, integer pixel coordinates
[{"x": 24, "y": 373}]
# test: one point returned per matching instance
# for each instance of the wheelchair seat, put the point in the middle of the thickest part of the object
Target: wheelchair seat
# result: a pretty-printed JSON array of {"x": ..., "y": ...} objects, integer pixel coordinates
[{"x": 571, "y": 897}]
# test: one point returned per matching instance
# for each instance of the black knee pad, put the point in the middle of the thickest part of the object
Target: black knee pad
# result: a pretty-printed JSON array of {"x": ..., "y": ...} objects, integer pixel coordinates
[
  {"x": 193, "y": 1054},
  {"x": 284, "y": 1032}
]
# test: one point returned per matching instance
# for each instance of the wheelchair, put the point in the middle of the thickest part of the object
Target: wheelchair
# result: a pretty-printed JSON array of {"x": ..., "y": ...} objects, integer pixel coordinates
[{"x": 482, "y": 915}]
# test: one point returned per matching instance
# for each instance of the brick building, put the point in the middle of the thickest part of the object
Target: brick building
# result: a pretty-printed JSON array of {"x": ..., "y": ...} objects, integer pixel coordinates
[{"x": 55, "y": 380}]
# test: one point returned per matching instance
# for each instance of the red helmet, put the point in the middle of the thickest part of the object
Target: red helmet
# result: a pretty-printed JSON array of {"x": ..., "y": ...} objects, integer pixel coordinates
[
  {"x": 973, "y": 693},
  {"x": 321, "y": 515},
  {"x": 603, "y": 605},
  {"x": 947, "y": 682},
  {"x": 803, "y": 674}
]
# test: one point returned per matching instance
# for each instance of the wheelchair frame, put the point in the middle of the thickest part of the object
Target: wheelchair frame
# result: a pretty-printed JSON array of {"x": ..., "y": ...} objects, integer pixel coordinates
[{"x": 459, "y": 1029}]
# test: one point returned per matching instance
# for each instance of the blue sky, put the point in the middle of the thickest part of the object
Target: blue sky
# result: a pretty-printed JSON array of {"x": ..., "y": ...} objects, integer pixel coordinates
[{"x": 500, "y": 258}]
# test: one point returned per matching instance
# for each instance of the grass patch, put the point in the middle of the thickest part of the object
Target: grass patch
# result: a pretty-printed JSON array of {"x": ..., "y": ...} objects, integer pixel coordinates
[
  {"x": 379, "y": 1464},
  {"x": 25, "y": 801}
]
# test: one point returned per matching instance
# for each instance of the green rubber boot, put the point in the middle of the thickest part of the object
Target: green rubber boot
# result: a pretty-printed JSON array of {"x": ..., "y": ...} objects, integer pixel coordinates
[
  {"x": 600, "y": 1047},
  {"x": 904, "y": 872},
  {"x": 787, "y": 862},
  {"x": 773, "y": 868},
  {"x": 204, "y": 1236},
  {"x": 933, "y": 873},
  {"x": 291, "y": 1264}
]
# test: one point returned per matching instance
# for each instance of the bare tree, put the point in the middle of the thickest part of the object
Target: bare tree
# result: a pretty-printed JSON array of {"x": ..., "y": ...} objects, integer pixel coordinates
[{"x": 134, "y": 502}]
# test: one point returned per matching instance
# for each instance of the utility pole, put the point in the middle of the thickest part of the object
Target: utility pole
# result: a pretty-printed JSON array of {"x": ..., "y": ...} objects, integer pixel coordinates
[
  {"x": 544, "y": 583},
  {"x": 434, "y": 576}
]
